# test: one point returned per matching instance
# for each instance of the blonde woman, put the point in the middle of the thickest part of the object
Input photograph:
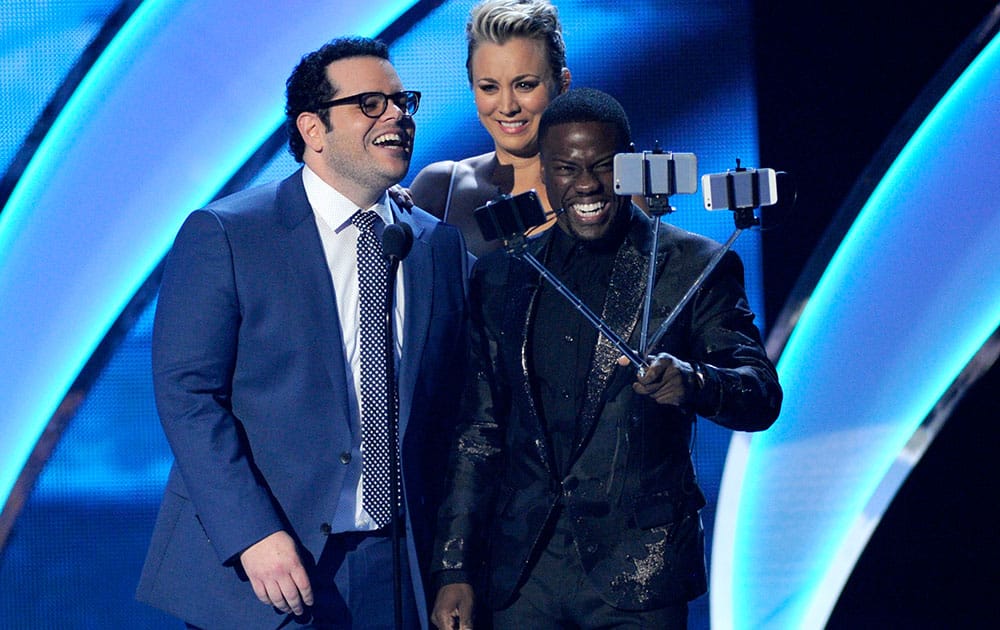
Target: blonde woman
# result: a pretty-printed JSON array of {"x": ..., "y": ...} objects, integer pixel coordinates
[{"x": 516, "y": 65}]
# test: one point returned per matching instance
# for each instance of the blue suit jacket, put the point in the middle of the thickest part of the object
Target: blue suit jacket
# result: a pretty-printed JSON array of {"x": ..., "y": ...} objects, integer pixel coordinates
[{"x": 252, "y": 390}]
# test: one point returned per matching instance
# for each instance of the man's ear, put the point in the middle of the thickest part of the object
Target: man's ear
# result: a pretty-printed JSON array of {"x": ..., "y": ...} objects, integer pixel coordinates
[{"x": 312, "y": 129}]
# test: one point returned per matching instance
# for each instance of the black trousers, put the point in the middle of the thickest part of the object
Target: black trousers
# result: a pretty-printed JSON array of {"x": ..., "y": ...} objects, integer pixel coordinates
[{"x": 559, "y": 595}]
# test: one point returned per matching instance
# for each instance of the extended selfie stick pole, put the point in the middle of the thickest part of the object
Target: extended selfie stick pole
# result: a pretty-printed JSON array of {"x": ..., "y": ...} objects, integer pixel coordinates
[
  {"x": 516, "y": 246},
  {"x": 659, "y": 205},
  {"x": 509, "y": 218},
  {"x": 745, "y": 219},
  {"x": 650, "y": 283},
  {"x": 740, "y": 190},
  {"x": 655, "y": 175}
]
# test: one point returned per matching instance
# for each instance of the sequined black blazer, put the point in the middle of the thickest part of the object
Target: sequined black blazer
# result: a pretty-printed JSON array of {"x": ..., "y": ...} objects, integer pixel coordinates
[{"x": 630, "y": 491}]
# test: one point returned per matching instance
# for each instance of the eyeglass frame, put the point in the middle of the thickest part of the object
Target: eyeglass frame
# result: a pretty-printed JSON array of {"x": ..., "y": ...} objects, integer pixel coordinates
[{"x": 357, "y": 99}]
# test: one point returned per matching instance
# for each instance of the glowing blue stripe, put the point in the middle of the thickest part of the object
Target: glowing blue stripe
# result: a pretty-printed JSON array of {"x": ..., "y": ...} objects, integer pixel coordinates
[
  {"x": 911, "y": 295},
  {"x": 180, "y": 99}
]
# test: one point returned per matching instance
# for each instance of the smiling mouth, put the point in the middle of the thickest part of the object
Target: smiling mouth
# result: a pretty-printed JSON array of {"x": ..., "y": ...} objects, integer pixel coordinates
[
  {"x": 512, "y": 126},
  {"x": 393, "y": 139},
  {"x": 587, "y": 210}
]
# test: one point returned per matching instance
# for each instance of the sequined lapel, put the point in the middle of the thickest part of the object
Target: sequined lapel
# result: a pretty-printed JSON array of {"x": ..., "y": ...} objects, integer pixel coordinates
[{"x": 621, "y": 312}]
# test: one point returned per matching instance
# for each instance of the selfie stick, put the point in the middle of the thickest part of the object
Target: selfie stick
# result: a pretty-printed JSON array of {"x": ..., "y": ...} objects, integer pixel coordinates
[
  {"x": 659, "y": 205},
  {"x": 744, "y": 218},
  {"x": 691, "y": 291},
  {"x": 517, "y": 247},
  {"x": 509, "y": 218}
]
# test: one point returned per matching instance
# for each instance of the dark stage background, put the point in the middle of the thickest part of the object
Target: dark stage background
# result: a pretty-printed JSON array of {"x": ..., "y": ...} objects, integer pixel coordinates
[{"x": 834, "y": 79}]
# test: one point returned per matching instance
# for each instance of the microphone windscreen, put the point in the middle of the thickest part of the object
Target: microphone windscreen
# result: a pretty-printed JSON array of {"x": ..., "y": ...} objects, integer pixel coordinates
[{"x": 397, "y": 239}]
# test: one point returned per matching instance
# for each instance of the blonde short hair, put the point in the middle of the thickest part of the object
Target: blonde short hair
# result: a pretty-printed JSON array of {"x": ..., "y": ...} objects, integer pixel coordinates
[{"x": 498, "y": 21}]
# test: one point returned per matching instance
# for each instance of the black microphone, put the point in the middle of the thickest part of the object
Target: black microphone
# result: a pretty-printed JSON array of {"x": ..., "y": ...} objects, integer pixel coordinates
[{"x": 397, "y": 239}]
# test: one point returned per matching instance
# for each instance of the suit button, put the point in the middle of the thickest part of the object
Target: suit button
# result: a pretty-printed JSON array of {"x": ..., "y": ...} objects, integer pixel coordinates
[
  {"x": 325, "y": 529},
  {"x": 591, "y": 548},
  {"x": 345, "y": 458}
]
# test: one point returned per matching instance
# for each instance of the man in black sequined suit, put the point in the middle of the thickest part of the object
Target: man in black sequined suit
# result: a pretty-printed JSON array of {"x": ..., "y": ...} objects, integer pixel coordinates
[{"x": 572, "y": 493}]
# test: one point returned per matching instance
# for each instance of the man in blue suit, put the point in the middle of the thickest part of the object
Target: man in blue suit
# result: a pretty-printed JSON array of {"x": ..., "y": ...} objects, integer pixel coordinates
[{"x": 257, "y": 366}]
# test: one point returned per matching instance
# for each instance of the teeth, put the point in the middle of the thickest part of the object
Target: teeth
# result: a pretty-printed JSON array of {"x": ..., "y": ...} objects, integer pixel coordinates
[
  {"x": 588, "y": 208},
  {"x": 512, "y": 125},
  {"x": 389, "y": 138}
]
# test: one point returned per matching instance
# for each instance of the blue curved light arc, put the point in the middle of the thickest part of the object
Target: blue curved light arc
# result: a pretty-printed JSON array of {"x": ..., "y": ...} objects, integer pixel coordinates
[{"x": 911, "y": 295}]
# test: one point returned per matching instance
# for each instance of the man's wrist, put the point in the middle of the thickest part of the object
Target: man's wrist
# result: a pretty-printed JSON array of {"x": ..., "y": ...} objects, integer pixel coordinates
[
  {"x": 707, "y": 401},
  {"x": 699, "y": 378},
  {"x": 445, "y": 577}
]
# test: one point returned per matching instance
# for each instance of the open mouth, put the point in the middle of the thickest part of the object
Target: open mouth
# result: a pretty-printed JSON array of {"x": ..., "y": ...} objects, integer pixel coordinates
[
  {"x": 588, "y": 212},
  {"x": 393, "y": 139}
]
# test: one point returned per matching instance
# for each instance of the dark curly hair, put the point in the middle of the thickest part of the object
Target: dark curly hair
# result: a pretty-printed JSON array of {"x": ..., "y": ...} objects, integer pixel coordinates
[
  {"x": 308, "y": 85},
  {"x": 585, "y": 105}
]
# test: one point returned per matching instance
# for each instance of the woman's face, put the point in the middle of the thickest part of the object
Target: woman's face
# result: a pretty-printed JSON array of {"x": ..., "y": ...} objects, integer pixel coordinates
[{"x": 512, "y": 84}]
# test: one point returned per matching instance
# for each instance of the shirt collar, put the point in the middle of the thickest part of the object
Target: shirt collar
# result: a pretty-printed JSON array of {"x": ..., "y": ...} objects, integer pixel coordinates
[{"x": 334, "y": 208}]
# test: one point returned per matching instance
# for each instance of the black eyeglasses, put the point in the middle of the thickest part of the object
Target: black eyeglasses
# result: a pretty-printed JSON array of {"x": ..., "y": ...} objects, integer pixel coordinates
[{"x": 374, "y": 104}]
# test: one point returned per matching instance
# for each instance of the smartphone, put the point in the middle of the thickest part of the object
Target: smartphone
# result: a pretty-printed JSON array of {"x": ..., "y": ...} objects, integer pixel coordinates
[
  {"x": 735, "y": 190},
  {"x": 669, "y": 174},
  {"x": 508, "y": 216}
]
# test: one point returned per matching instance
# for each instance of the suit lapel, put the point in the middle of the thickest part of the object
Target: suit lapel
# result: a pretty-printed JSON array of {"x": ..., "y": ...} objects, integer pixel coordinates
[
  {"x": 305, "y": 256},
  {"x": 418, "y": 288},
  {"x": 621, "y": 312}
]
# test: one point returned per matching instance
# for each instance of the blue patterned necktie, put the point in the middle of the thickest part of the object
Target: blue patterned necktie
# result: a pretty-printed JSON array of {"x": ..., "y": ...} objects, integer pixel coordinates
[{"x": 372, "y": 282}]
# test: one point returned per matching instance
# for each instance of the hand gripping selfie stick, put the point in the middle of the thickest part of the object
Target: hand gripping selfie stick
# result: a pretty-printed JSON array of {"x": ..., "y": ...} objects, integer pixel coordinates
[{"x": 508, "y": 218}]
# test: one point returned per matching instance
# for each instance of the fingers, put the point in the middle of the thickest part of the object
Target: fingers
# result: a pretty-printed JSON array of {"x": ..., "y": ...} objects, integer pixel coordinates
[
  {"x": 260, "y": 591},
  {"x": 454, "y": 620},
  {"x": 663, "y": 393},
  {"x": 277, "y": 575},
  {"x": 402, "y": 197},
  {"x": 301, "y": 579},
  {"x": 444, "y": 620},
  {"x": 288, "y": 594},
  {"x": 284, "y": 597},
  {"x": 465, "y": 619},
  {"x": 453, "y": 607},
  {"x": 663, "y": 381},
  {"x": 654, "y": 377},
  {"x": 668, "y": 396},
  {"x": 297, "y": 592},
  {"x": 445, "y": 614}
]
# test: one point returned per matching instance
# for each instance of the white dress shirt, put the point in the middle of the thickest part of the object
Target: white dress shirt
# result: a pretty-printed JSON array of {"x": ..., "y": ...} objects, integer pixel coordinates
[{"x": 333, "y": 212}]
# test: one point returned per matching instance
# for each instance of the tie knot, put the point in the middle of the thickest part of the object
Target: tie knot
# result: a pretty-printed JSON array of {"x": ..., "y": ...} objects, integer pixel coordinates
[{"x": 365, "y": 220}]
